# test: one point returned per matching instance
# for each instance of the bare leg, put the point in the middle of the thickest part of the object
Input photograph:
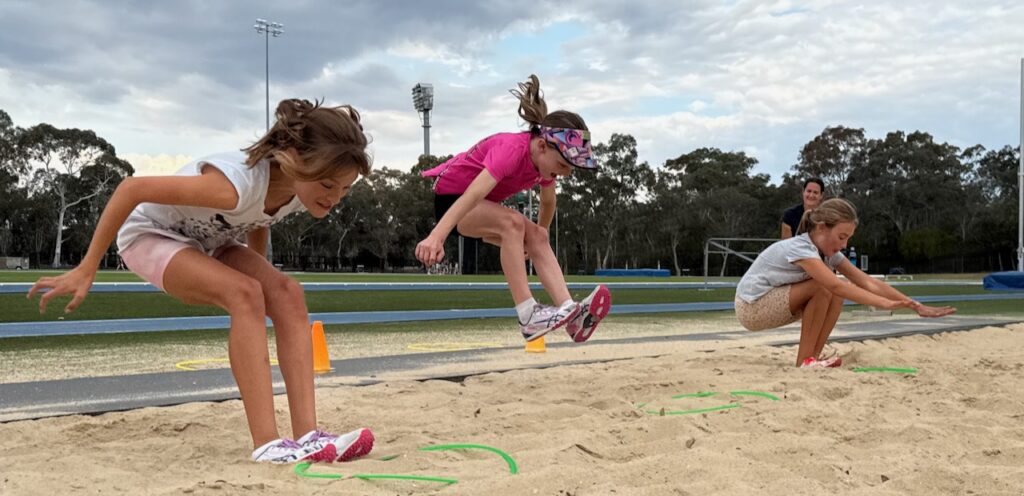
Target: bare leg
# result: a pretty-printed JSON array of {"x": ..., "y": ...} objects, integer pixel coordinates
[
  {"x": 815, "y": 301},
  {"x": 539, "y": 248},
  {"x": 505, "y": 228},
  {"x": 835, "y": 308},
  {"x": 196, "y": 278},
  {"x": 286, "y": 307}
]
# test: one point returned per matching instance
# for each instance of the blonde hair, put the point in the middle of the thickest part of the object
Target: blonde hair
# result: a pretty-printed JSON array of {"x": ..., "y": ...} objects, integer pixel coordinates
[
  {"x": 831, "y": 212},
  {"x": 534, "y": 110},
  {"x": 328, "y": 141}
]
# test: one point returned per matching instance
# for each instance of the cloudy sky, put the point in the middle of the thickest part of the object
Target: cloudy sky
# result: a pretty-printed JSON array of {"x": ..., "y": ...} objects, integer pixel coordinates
[{"x": 168, "y": 81}]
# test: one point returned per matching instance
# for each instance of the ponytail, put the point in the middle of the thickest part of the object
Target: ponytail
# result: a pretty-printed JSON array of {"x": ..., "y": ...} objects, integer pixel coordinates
[
  {"x": 327, "y": 140},
  {"x": 534, "y": 110}
]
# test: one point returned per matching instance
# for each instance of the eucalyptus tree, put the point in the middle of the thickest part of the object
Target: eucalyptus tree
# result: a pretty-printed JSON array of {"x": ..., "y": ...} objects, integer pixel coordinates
[{"x": 74, "y": 165}]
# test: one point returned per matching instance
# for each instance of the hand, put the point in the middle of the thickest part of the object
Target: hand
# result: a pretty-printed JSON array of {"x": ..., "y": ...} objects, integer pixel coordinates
[
  {"x": 430, "y": 251},
  {"x": 74, "y": 282},
  {"x": 931, "y": 312}
]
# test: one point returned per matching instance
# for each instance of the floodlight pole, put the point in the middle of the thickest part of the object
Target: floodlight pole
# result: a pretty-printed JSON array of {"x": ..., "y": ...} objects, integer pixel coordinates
[
  {"x": 268, "y": 28},
  {"x": 423, "y": 101},
  {"x": 1020, "y": 178},
  {"x": 426, "y": 132}
]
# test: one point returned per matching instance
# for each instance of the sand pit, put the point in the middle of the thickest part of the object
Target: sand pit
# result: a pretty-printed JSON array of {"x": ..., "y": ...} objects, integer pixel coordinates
[{"x": 952, "y": 428}]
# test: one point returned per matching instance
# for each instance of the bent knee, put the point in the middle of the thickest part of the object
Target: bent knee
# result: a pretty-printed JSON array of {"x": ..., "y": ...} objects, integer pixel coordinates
[
  {"x": 245, "y": 296},
  {"x": 536, "y": 234},
  {"x": 512, "y": 225}
]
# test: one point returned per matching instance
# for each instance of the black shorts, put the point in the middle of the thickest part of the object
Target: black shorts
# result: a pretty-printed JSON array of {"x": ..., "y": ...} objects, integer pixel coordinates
[{"x": 441, "y": 205}]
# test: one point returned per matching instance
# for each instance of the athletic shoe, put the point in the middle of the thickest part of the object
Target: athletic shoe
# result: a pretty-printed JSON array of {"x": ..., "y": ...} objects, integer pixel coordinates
[
  {"x": 288, "y": 451},
  {"x": 812, "y": 363},
  {"x": 345, "y": 447},
  {"x": 831, "y": 362},
  {"x": 593, "y": 309},
  {"x": 545, "y": 319}
]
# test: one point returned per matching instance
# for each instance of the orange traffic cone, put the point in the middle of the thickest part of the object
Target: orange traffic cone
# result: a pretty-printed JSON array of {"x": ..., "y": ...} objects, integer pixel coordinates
[
  {"x": 536, "y": 346},
  {"x": 321, "y": 359}
]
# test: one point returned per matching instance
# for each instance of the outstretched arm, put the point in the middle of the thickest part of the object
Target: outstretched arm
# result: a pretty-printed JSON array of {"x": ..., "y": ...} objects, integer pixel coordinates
[
  {"x": 431, "y": 250},
  {"x": 211, "y": 189},
  {"x": 862, "y": 280},
  {"x": 824, "y": 276}
]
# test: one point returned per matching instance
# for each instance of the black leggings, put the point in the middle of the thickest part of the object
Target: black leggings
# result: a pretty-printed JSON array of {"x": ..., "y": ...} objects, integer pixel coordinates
[{"x": 441, "y": 205}]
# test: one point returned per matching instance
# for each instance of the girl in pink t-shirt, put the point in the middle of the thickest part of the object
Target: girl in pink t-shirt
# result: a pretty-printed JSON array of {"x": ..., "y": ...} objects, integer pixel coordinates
[{"x": 469, "y": 190}]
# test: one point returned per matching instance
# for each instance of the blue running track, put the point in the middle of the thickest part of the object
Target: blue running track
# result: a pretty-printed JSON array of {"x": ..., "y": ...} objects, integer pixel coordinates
[{"x": 73, "y": 327}]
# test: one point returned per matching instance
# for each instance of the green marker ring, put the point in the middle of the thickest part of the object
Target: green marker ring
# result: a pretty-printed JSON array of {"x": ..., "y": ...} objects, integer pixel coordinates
[
  {"x": 425, "y": 478},
  {"x": 512, "y": 467},
  {"x": 302, "y": 470},
  {"x": 695, "y": 410},
  {"x": 705, "y": 394},
  {"x": 755, "y": 393},
  {"x": 893, "y": 370},
  {"x": 702, "y": 394}
]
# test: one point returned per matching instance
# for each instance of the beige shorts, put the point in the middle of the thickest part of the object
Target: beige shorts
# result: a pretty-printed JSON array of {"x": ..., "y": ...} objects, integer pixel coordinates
[{"x": 769, "y": 311}]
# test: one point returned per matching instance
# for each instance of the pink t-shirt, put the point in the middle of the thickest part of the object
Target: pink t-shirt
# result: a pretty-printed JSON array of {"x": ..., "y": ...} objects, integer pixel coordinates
[{"x": 506, "y": 156}]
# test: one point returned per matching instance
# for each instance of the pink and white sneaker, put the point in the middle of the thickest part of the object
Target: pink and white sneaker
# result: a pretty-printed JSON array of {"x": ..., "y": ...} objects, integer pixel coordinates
[
  {"x": 832, "y": 362},
  {"x": 546, "y": 318},
  {"x": 345, "y": 447},
  {"x": 288, "y": 451},
  {"x": 828, "y": 363},
  {"x": 593, "y": 309}
]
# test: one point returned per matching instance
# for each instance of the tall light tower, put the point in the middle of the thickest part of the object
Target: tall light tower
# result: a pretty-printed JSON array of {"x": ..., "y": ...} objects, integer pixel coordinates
[
  {"x": 423, "y": 100},
  {"x": 1020, "y": 179},
  {"x": 267, "y": 28}
]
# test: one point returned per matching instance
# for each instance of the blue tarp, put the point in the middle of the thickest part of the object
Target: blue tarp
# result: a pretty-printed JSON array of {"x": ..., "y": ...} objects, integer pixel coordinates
[{"x": 1004, "y": 281}]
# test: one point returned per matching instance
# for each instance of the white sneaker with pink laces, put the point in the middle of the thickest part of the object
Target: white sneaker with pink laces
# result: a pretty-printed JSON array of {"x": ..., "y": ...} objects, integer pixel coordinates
[{"x": 345, "y": 447}]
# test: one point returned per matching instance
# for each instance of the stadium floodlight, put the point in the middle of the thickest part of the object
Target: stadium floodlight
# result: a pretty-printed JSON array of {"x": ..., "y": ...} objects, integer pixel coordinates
[
  {"x": 268, "y": 29},
  {"x": 423, "y": 100}
]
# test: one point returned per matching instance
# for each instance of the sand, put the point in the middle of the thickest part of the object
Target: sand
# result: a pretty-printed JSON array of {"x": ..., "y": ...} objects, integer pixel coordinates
[{"x": 955, "y": 427}]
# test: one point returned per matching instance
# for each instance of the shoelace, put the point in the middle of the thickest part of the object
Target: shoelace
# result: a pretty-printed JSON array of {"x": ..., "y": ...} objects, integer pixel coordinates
[{"x": 322, "y": 435}]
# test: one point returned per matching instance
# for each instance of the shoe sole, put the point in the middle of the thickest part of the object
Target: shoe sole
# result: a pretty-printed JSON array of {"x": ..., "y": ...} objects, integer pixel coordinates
[
  {"x": 560, "y": 323},
  {"x": 326, "y": 454},
  {"x": 600, "y": 305},
  {"x": 360, "y": 447}
]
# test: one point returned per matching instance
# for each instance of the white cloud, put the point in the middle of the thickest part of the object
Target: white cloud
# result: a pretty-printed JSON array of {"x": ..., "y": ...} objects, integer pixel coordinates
[
  {"x": 744, "y": 75},
  {"x": 156, "y": 165}
]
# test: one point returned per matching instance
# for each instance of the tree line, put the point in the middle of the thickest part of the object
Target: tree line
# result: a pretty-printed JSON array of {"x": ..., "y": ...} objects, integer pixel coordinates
[{"x": 923, "y": 205}]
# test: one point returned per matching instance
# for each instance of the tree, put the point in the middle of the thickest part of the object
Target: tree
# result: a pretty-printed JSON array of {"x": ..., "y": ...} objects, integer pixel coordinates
[
  {"x": 75, "y": 165},
  {"x": 600, "y": 206},
  {"x": 832, "y": 155},
  {"x": 12, "y": 159}
]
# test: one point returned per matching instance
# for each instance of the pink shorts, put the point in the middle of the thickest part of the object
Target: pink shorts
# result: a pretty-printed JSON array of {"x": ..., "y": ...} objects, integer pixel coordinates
[{"x": 149, "y": 255}]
